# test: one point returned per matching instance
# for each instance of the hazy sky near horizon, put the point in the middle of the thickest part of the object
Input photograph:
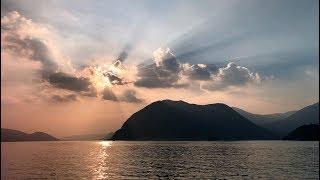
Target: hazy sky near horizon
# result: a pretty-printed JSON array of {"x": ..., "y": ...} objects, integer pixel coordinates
[{"x": 77, "y": 67}]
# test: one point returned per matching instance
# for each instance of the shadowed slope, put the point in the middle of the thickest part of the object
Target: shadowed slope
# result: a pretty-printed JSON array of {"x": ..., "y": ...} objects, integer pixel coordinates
[
  {"x": 305, "y": 133},
  {"x": 263, "y": 119},
  {"x": 178, "y": 120},
  {"x": 307, "y": 115}
]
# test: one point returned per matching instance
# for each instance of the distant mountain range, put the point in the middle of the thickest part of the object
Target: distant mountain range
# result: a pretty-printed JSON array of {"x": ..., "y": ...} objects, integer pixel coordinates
[
  {"x": 10, "y": 135},
  {"x": 264, "y": 119},
  {"x": 178, "y": 120},
  {"x": 305, "y": 133},
  {"x": 307, "y": 115}
]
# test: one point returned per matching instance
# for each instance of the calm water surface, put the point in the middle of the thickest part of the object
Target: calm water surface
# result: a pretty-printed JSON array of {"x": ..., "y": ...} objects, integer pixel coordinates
[{"x": 154, "y": 160}]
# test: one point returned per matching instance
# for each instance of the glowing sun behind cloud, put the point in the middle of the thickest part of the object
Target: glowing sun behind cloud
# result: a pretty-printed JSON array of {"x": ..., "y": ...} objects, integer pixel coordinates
[
  {"x": 105, "y": 62},
  {"x": 106, "y": 75}
]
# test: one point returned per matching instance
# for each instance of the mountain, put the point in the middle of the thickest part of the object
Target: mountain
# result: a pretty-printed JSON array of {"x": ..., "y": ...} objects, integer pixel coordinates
[
  {"x": 178, "y": 120},
  {"x": 305, "y": 133},
  {"x": 10, "y": 135},
  {"x": 84, "y": 137},
  {"x": 307, "y": 115},
  {"x": 108, "y": 136},
  {"x": 261, "y": 120}
]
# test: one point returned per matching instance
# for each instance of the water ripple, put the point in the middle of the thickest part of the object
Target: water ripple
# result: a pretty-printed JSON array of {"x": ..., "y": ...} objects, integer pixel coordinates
[{"x": 160, "y": 160}]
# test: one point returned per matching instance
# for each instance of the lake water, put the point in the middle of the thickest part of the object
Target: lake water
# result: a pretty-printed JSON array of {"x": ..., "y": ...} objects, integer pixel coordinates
[{"x": 153, "y": 160}]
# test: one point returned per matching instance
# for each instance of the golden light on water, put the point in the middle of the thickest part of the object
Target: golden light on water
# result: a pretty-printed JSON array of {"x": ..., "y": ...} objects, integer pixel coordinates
[
  {"x": 103, "y": 155},
  {"x": 105, "y": 143}
]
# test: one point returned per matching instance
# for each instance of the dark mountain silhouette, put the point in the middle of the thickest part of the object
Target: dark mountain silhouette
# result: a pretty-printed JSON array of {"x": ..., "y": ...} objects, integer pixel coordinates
[
  {"x": 108, "y": 136},
  {"x": 84, "y": 137},
  {"x": 263, "y": 119},
  {"x": 305, "y": 133},
  {"x": 307, "y": 115},
  {"x": 10, "y": 135},
  {"x": 178, "y": 120}
]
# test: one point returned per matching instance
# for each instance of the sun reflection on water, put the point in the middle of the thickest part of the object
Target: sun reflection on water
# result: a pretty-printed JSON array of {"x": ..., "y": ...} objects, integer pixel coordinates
[
  {"x": 102, "y": 169},
  {"x": 105, "y": 143}
]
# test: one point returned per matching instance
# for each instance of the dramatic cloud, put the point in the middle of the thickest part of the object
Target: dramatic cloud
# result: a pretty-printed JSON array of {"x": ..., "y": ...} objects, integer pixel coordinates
[
  {"x": 104, "y": 75},
  {"x": 164, "y": 73},
  {"x": 114, "y": 79},
  {"x": 26, "y": 39},
  {"x": 66, "y": 98},
  {"x": 199, "y": 71},
  {"x": 66, "y": 81},
  {"x": 231, "y": 75},
  {"x": 17, "y": 40},
  {"x": 112, "y": 75},
  {"x": 168, "y": 72}
]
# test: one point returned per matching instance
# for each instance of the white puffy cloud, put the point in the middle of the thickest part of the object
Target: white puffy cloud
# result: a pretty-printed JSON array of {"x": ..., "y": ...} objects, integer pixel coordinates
[
  {"x": 167, "y": 72},
  {"x": 231, "y": 75}
]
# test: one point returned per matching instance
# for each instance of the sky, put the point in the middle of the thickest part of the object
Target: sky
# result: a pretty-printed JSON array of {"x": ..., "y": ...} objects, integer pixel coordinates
[{"x": 83, "y": 67}]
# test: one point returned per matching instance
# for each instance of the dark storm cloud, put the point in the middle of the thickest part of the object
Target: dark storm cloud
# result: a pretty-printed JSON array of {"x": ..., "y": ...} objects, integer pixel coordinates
[
  {"x": 66, "y": 98},
  {"x": 69, "y": 82}
]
